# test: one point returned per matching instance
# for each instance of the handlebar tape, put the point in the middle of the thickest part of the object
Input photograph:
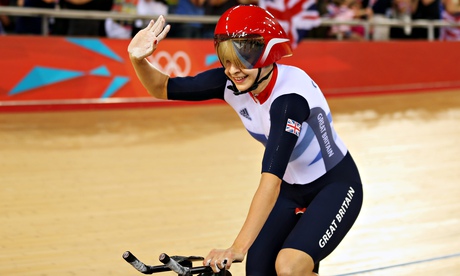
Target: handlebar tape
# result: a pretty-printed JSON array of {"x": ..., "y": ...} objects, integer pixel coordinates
[
  {"x": 140, "y": 266},
  {"x": 173, "y": 265}
]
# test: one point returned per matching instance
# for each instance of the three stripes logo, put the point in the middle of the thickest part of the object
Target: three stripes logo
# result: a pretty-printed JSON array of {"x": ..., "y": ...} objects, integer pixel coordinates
[{"x": 244, "y": 112}]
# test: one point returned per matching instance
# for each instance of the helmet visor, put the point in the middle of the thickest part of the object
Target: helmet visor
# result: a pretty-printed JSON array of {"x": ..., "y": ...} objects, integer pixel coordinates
[{"x": 247, "y": 49}]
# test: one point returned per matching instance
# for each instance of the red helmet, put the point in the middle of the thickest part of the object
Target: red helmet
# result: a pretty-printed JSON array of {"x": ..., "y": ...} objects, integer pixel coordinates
[{"x": 258, "y": 38}]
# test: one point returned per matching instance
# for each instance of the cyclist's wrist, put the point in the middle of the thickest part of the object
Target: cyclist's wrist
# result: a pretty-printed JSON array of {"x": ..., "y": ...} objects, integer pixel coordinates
[{"x": 239, "y": 251}]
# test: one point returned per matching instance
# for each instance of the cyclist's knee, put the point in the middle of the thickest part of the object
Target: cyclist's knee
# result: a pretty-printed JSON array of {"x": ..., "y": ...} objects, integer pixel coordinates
[{"x": 293, "y": 262}]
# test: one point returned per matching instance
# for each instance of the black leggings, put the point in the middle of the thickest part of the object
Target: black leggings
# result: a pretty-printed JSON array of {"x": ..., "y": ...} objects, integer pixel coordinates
[{"x": 333, "y": 203}]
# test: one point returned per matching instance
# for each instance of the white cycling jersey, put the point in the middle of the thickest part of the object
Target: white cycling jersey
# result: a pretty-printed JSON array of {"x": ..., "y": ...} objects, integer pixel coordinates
[{"x": 318, "y": 148}]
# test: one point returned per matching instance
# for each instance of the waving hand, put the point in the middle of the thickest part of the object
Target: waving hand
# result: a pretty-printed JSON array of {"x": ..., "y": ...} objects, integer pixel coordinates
[{"x": 146, "y": 40}]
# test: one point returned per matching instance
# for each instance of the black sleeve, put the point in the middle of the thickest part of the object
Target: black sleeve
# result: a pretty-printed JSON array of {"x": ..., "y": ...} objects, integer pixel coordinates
[
  {"x": 281, "y": 143},
  {"x": 204, "y": 86}
]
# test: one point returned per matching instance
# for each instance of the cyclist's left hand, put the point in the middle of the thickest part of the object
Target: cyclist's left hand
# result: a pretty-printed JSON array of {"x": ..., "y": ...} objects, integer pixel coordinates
[{"x": 217, "y": 259}]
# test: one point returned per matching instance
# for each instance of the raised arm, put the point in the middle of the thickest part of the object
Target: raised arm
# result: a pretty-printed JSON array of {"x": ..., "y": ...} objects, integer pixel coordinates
[{"x": 142, "y": 46}]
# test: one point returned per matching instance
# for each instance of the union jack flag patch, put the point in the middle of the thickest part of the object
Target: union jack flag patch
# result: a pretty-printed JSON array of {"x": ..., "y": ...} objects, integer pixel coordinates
[{"x": 293, "y": 127}]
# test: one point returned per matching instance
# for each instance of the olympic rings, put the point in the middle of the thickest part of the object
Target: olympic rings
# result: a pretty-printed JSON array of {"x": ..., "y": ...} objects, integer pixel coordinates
[{"x": 172, "y": 66}]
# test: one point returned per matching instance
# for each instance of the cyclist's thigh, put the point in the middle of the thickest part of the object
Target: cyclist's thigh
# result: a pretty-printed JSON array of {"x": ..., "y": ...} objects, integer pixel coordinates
[
  {"x": 327, "y": 220},
  {"x": 262, "y": 254}
]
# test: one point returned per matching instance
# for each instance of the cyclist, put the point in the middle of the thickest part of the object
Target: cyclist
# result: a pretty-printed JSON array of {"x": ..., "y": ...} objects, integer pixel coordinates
[{"x": 305, "y": 163}]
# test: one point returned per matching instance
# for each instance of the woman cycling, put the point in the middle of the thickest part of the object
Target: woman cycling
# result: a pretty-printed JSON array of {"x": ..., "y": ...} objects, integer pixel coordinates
[{"x": 305, "y": 163}]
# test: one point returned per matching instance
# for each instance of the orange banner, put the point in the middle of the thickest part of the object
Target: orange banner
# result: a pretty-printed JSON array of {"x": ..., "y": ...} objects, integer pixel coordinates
[
  {"x": 57, "y": 68},
  {"x": 44, "y": 70}
]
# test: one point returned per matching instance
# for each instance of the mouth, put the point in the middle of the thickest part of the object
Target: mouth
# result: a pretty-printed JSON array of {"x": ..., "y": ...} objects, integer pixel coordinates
[{"x": 239, "y": 80}]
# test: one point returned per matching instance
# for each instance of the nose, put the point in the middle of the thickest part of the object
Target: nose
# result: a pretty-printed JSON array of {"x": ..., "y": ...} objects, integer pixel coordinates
[{"x": 231, "y": 68}]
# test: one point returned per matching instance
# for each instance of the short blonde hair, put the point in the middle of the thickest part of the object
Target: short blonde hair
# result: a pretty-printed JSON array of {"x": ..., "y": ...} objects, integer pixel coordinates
[{"x": 226, "y": 52}]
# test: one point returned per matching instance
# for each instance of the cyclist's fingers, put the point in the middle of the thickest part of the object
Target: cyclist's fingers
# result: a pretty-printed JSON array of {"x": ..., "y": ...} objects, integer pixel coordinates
[
  {"x": 227, "y": 263},
  {"x": 209, "y": 258},
  {"x": 213, "y": 264},
  {"x": 224, "y": 264},
  {"x": 216, "y": 267},
  {"x": 218, "y": 260}
]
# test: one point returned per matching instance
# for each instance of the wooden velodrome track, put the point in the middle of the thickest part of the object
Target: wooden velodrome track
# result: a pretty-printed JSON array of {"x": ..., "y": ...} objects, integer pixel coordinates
[{"x": 78, "y": 188}]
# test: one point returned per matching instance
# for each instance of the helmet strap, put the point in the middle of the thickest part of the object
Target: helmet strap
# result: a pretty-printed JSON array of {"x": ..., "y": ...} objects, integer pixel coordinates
[{"x": 254, "y": 86}]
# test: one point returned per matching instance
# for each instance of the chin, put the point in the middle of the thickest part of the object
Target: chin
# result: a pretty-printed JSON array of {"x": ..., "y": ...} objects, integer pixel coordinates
[{"x": 242, "y": 87}]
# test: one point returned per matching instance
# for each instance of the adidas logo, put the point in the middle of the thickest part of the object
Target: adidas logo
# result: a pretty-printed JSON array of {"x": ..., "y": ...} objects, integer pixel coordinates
[{"x": 244, "y": 112}]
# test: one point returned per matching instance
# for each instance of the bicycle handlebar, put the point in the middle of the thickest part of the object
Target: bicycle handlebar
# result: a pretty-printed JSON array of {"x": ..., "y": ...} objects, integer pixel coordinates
[
  {"x": 170, "y": 264},
  {"x": 140, "y": 266},
  {"x": 173, "y": 265}
]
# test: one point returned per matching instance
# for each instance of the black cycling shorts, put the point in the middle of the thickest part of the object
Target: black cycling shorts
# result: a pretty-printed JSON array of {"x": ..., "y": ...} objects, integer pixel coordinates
[{"x": 332, "y": 204}]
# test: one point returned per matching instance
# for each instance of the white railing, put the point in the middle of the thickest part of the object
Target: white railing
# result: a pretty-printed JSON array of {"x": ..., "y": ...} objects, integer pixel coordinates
[{"x": 172, "y": 18}]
